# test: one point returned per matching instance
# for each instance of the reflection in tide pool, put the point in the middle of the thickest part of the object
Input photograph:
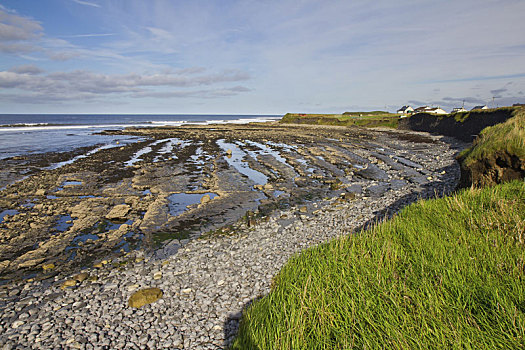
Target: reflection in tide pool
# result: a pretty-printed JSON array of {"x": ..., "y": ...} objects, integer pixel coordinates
[
  {"x": 241, "y": 166},
  {"x": 84, "y": 238},
  {"x": 169, "y": 147},
  {"x": 7, "y": 212},
  {"x": 179, "y": 202},
  {"x": 72, "y": 183},
  {"x": 267, "y": 150},
  {"x": 305, "y": 163},
  {"x": 118, "y": 143},
  {"x": 64, "y": 222},
  {"x": 278, "y": 193},
  {"x": 136, "y": 157}
]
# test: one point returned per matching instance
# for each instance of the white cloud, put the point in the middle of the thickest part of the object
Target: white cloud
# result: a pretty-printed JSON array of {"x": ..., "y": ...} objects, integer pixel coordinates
[
  {"x": 26, "y": 69},
  {"x": 16, "y": 48},
  {"x": 16, "y": 28},
  {"x": 94, "y": 35},
  {"x": 332, "y": 54},
  {"x": 86, "y": 3},
  {"x": 64, "y": 85},
  {"x": 206, "y": 94},
  {"x": 17, "y": 33},
  {"x": 62, "y": 55}
]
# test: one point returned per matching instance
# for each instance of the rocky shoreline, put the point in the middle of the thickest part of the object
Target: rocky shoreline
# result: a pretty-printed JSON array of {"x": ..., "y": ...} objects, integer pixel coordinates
[{"x": 336, "y": 180}]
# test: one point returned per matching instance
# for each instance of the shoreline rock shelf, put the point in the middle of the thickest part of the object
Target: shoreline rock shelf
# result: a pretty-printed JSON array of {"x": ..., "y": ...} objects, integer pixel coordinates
[{"x": 205, "y": 283}]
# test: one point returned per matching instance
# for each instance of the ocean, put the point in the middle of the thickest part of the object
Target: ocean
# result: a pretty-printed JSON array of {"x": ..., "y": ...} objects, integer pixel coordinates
[{"x": 22, "y": 134}]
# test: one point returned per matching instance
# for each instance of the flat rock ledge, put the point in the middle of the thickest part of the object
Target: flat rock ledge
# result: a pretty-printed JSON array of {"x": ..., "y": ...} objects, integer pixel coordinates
[{"x": 205, "y": 285}]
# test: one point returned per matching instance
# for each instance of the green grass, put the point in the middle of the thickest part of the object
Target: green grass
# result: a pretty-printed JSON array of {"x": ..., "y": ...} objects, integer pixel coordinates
[
  {"x": 508, "y": 137},
  {"x": 443, "y": 273},
  {"x": 370, "y": 113},
  {"x": 480, "y": 113},
  {"x": 162, "y": 236},
  {"x": 363, "y": 119}
]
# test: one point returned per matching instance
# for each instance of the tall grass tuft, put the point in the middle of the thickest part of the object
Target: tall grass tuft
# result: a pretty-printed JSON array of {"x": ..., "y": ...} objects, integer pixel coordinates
[{"x": 443, "y": 273}]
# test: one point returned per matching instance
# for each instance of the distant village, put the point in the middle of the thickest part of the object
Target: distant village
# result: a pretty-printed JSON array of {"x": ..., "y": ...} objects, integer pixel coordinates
[{"x": 407, "y": 110}]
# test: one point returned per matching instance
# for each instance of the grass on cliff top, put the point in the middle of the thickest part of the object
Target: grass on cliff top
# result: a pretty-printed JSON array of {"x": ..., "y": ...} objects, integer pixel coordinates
[
  {"x": 506, "y": 137},
  {"x": 370, "y": 113},
  {"x": 479, "y": 113},
  {"x": 363, "y": 119},
  {"x": 443, "y": 273}
]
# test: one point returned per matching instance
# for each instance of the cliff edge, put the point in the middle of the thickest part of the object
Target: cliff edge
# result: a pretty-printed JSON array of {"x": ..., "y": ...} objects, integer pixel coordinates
[{"x": 462, "y": 126}]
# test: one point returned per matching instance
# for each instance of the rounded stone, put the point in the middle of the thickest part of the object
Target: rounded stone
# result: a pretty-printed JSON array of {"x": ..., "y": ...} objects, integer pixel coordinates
[{"x": 144, "y": 296}]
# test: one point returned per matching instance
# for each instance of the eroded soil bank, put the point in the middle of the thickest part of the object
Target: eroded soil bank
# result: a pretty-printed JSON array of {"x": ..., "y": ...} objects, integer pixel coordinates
[{"x": 177, "y": 184}]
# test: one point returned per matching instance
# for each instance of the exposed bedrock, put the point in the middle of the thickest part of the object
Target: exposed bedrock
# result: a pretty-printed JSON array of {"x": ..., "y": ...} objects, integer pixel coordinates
[{"x": 177, "y": 184}]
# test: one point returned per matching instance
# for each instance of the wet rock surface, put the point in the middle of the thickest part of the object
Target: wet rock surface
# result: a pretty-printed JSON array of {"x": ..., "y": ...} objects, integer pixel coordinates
[{"x": 212, "y": 227}]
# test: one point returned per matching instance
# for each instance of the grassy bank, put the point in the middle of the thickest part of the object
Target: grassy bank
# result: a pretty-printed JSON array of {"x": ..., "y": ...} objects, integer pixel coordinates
[
  {"x": 497, "y": 154},
  {"x": 364, "y": 119},
  {"x": 478, "y": 114},
  {"x": 508, "y": 137},
  {"x": 444, "y": 273},
  {"x": 463, "y": 126}
]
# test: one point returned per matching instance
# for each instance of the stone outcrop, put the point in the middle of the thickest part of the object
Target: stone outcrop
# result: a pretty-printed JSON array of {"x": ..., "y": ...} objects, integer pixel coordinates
[
  {"x": 118, "y": 212},
  {"x": 164, "y": 200}
]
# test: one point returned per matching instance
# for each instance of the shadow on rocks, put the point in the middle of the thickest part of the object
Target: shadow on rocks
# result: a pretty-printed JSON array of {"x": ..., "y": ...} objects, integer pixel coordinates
[
  {"x": 430, "y": 190},
  {"x": 231, "y": 329},
  {"x": 433, "y": 189}
]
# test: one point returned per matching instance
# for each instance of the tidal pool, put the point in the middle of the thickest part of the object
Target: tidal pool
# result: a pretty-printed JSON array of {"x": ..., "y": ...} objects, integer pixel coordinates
[
  {"x": 179, "y": 202},
  {"x": 7, "y": 212},
  {"x": 72, "y": 183},
  {"x": 63, "y": 224},
  {"x": 236, "y": 161}
]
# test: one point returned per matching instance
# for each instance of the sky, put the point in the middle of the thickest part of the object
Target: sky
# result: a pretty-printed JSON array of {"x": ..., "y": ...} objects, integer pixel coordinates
[{"x": 258, "y": 56}]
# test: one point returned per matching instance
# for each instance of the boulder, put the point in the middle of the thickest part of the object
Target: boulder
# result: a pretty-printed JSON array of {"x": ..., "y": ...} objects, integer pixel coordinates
[
  {"x": 118, "y": 212},
  {"x": 372, "y": 172},
  {"x": 48, "y": 267},
  {"x": 69, "y": 283},
  {"x": 81, "y": 277},
  {"x": 4, "y": 264},
  {"x": 205, "y": 199},
  {"x": 347, "y": 196},
  {"x": 30, "y": 263},
  {"x": 144, "y": 296}
]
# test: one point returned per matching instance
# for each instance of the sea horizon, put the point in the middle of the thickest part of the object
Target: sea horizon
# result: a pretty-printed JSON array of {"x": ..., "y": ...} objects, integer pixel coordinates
[{"x": 22, "y": 134}]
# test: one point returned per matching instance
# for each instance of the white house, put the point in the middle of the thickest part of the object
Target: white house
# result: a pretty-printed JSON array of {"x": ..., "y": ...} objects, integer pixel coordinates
[
  {"x": 479, "y": 107},
  {"x": 458, "y": 110},
  {"x": 436, "y": 110},
  {"x": 405, "y": 110},
  {"x": 430, "y": 110}
]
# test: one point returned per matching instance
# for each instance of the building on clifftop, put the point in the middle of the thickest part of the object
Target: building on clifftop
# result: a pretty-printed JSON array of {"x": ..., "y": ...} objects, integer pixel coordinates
[
  {"x": 430, "y": 110},
  {"x": 458, "y": 110},
  {"x": 405, "y": 110},
  {"x": 479, "y": 107}
]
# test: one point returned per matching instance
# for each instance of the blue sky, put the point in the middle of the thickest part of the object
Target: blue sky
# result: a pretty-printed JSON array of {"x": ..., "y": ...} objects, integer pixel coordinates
[{"x": 258, "y": 57}]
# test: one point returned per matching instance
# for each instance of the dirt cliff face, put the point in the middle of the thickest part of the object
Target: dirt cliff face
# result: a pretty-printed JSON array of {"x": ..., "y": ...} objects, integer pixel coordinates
[
  {"x": 501, "y": 167},
  {"x": 498, "y": 167},
  {"x": 465, "y": 127}
]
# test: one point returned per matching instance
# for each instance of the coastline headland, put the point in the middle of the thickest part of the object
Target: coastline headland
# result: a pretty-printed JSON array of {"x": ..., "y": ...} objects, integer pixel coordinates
[{"x": 208, "y": 214}]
